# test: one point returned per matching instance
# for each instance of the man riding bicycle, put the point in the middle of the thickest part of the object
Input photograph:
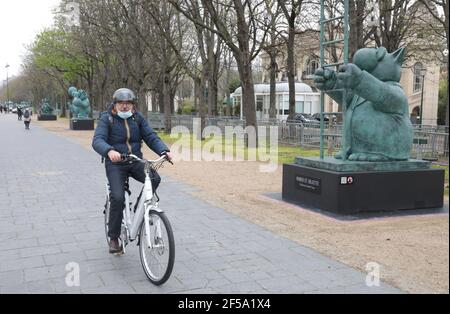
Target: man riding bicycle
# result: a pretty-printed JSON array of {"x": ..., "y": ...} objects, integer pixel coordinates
[{"x": 121, "y": 130}]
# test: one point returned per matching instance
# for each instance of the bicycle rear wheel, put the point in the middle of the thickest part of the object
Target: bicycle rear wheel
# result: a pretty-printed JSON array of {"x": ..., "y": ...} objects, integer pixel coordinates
[{"x": 157, "y": 261}]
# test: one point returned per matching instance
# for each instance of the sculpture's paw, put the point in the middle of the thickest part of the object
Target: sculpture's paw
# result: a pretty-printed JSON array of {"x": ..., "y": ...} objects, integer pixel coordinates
[
  {"x": 377, "y": 158},
  {"x": 325, "y": 79},
  {"x": 358, "y": 157},
  {"x": 367, "y": 157},
  {"x": 338, "y": 155}
]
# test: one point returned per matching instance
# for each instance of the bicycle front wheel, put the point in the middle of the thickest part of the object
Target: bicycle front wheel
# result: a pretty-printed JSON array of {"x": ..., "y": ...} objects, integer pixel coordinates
[{"x": 157, "y": 260}]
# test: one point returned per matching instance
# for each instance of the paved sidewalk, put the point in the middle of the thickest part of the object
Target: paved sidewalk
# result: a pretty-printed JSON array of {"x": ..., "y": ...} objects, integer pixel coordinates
[{"x": 51, "y": 202}]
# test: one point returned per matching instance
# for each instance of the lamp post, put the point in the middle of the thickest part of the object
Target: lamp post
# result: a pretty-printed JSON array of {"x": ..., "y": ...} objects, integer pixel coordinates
[
  {"x": 423, "y": 72},
  {"x": 7, "y": 85}
]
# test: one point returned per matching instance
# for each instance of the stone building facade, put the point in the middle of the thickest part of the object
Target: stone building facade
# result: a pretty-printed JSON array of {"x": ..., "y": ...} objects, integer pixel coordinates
[{"x": 421, "y": 54}]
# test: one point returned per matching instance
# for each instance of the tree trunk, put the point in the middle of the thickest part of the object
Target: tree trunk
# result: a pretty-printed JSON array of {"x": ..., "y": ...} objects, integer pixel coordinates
[
  {"x": 161, "y": 100},
  {"x": 228, "y": 108},
  {"x": 143, "y": 106},
  {"x": 154, "y": 102},
  {"x": 248, "y": 95},
  {"x": 446, "y": 111},
  {"x": 291, "y": 67},
  {"x": 63, "y": 108},
  {"x": 356, "y": 27},
  {"x": 213, "y": 74},
  {"x": 172, "y": 101},
  {"x": 203, "y": 100},
  {"x": 273, "y": 86},
  {"x": 196, "y": 94},
  {"x": 212, "y": 96},
  {"x": 210, "y": 60},
  {"x": 213, "y": 83},
  {"x": 353, "y": 34},
  {"x": 160, "y": 93},
  {"x": 167, "y": 107},
  {"x": 63, "y": 103},
  {"x": 91, "y": 94}
]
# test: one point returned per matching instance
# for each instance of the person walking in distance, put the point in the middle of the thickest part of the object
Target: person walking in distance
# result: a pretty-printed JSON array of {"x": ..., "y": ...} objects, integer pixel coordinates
[{"x": 27, "y": 119}]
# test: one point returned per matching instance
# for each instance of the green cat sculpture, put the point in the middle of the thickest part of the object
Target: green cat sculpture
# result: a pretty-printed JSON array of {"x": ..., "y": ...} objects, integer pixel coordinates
[
  {"x": 80, "y": 106},
  {"x": 46, "y": 108},
  {"x": 376, "y": 116}
]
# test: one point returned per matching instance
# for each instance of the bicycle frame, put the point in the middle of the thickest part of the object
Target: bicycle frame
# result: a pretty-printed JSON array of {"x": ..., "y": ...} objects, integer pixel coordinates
[
  {"x": 145, "y": 205},
  {"x": 133, "y": 222}
]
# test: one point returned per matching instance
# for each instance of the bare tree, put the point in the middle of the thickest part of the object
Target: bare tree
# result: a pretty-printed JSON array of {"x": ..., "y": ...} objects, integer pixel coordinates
[
  {"x": 186, "y": 48},
  {"x": 395, "y": 18},
  {"x": 434, "y": 7},
  {"x": 291, "y": 10},
  {"x": 273, "y": 48},
  {"x": 356, "y": 13},
  {"x": 242, "y": 27}
]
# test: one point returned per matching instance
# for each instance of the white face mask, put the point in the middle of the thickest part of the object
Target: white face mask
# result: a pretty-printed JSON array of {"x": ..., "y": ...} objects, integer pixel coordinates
[{"x": 125, "y": 115}]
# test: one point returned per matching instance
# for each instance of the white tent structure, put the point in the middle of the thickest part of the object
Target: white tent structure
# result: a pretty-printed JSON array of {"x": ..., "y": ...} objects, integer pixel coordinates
[{"x": 306, "y": 100}]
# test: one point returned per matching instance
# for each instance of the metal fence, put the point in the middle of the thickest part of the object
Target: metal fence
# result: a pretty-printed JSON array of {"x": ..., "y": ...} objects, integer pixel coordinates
[
  {"x": 430, "y": 145},
  {"x": 431, "y": 128},
  {"x": 158, "y": 122},
  {"x": 429, "y": 142}
]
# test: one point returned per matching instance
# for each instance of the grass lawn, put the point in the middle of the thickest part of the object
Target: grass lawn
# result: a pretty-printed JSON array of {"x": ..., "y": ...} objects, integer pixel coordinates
[
  {"x": 446, "y": 177},
  {"x": 286, "y": 154}
]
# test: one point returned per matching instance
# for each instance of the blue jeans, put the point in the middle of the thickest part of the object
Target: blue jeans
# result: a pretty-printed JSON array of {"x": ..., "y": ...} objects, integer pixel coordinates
[{"x": 117, "y": 174}]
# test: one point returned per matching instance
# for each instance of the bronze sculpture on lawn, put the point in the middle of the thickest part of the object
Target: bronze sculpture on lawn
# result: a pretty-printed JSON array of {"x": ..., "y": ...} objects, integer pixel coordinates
[
  {"x": 80, "y": 106},
  {"x": 375, "y": 108},
  {"x": 46, "y": 109}
]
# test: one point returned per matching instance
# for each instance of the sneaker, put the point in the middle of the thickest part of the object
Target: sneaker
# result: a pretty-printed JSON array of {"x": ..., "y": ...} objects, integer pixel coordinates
[{"x": 115, "y": 247}]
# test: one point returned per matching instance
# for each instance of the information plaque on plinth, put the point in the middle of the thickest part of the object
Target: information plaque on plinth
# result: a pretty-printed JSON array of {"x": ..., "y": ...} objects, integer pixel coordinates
[
  {"x": 47, "y": 117},
  {"x": 82, "y": 124},
  {"x": 345, "y": 188}
]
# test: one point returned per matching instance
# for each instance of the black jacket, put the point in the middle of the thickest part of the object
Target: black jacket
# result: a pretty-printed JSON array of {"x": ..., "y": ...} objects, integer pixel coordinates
[{"x": 125, "y": 136}]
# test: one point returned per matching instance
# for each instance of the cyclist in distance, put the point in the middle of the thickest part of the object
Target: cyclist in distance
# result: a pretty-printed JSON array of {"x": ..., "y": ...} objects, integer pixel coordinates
[{"x": 121, "y": 130}]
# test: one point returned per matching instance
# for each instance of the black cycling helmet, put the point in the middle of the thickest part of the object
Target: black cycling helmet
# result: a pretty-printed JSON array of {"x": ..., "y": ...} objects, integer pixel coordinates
[{"x": 124, "y": 95}]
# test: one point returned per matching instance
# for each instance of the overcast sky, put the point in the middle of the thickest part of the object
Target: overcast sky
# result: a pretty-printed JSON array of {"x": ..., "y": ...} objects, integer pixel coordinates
[{"x": 20, "y": 21}]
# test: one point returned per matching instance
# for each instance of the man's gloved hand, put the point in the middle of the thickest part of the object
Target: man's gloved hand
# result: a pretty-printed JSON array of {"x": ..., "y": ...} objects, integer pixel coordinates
[{"x": 168, "y": 154}]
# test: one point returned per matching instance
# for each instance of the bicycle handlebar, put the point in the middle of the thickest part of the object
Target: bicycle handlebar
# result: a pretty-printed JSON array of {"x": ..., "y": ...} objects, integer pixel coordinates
[{"x": 134, "y": 157}]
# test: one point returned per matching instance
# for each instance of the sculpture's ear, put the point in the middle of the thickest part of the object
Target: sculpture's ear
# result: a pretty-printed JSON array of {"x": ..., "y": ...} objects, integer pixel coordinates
[
  {"x": 399, "y": 55},
  {"x": 381, "y": 52}
]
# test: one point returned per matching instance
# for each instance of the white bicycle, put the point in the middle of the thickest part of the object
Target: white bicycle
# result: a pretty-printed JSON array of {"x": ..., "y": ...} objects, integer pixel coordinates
[{"x": 148, "y": 224}]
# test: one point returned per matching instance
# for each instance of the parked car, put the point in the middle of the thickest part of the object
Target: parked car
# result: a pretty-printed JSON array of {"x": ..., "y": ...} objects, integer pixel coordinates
[
  {"x": 326, "y": 118},
  {"x": 302, "y": 118}
]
